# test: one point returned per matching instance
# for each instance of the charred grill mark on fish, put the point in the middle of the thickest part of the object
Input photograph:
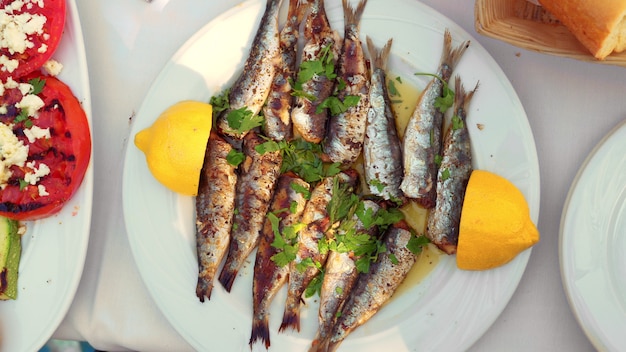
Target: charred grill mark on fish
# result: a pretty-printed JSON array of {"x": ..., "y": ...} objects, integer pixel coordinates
[
  {"x": 346, "y": 131},
  {"x": 382, "y": 151},
  {"x": 252, "y": 87},
  {"x": 254, "y": 190},
  {"x": 268, "y": 276},
  {"x": 423, "y": 135},
  {"x": 214, "y": 212},
  {"x": 454, "y": 172}
]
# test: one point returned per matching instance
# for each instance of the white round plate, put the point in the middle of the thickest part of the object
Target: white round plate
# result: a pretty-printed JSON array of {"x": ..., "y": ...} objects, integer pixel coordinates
[
  {"x": 53, "y": 249},
  {"x": 593, "y": 245},
  {"x": 447, "y": 311}
]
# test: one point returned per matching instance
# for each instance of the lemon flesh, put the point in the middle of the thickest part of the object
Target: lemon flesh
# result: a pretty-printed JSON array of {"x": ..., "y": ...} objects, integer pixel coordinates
[
  {"x": 174, "y": 146},
  {"x": 495, "y": 223}
]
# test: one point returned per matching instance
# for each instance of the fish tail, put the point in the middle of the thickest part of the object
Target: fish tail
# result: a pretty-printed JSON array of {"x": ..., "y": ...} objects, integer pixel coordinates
[
  {"x": 462, "y": 98},
  {"x": 379, "y": 57},
  {"x": 319, "y": 345},
  {"x": 353, "y": 15},
  {"x": 228, "y": 275},
  {"x": 203, "y": 289},
  {"x": 451, "y": 56},
  {"x": 291, "y": 317},
  {"x": 260, "y": 330}
]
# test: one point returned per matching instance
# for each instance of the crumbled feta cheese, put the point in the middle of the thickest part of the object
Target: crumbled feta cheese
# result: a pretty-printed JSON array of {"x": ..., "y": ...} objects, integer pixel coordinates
[
  {"x": 12, "y": 152},
  {"x": 8, "y": 65},
  {"x": 31, "y": 103},
  {"x": 37, "y": 172},
  {"x": 53, "y": 67},
  {"x": 17, "y": 29},
  {"x": 25, "y": 88},
  {"x": 42, "y": 190},
  {"x": 36, "y": 132},
  {"x": 3, "y": 108}
]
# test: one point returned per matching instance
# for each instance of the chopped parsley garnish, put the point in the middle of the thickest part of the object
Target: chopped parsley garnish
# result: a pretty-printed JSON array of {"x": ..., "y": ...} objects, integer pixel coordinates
[
  {"x": 315, "y": 286},
  {"x": 457, "y": 123},
  {"x": 220, "y": 102},
  {"x": 336, "y": 106},
  {"x": 445, "y": 174},
  {"x": 416, "y": 243},
  {"x": 301, "y": 157},
  {"x": 286, "y": 242},
  {"x": 380, "y": 186},
  {"x": 243, "y": 120},
  {"x": 324, "y": 66},
  {"x": 37, "y": 84},
  {"x": 235, "y": 157},
  {"x": 438, "y": 160},
  {"x": 391, "y": 86},
  {"x": 306, "y": 193},
  {"x": 446, "y": 100}
]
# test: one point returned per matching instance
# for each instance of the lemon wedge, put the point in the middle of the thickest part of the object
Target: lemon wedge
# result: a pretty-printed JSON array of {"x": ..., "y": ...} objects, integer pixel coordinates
[
  {"x": 174, "y": 145},
  {"x": 495, "y": 223}
]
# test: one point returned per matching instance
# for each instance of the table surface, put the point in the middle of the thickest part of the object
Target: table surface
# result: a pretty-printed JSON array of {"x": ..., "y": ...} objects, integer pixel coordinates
[{"x": 571, "y": 105}]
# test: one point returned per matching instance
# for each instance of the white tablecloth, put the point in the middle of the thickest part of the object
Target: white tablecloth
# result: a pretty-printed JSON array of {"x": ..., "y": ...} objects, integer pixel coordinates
[{"x": 571, "y": 105}]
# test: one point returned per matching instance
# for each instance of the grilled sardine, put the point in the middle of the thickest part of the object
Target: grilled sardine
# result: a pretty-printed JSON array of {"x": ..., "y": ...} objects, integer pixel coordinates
[
  {"x": 214, "y": 212},
  {"x": 423, "y": 135},
  {"x": 254, "y": 190},
  {"x": 321, "y": 46},
  {"x": 382, "y": 150},
  {"x": 317, "y": 221},
  {"x": 269, "y": 277},
  {"x": 346, "y": 130},
  {"x": 377, "y": 286},
  {"x": 252, "y": 87},
  {"x": 456, "y": 167}
]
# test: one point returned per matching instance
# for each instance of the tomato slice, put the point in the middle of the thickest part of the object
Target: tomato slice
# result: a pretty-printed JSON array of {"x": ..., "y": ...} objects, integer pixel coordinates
[
  {"x": 32, "y": 58},
  {"x": 66, "y": 152}
]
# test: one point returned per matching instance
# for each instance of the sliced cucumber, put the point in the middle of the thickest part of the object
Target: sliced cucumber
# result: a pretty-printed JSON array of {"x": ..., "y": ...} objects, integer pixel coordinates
[{"x": 10, "y": 252}]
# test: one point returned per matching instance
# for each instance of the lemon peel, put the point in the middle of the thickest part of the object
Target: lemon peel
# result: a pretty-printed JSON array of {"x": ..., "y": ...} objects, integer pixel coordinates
[
  {"x": 495, "y": 223},
  {"x": 174, "y": 145}
]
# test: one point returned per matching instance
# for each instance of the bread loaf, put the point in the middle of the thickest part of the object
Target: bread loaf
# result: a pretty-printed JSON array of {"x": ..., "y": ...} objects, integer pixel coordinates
[{"x": 600, "y": 25}]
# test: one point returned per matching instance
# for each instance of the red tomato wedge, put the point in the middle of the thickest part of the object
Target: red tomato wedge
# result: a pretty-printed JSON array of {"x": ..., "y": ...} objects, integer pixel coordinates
[
  {"x": 40, "y": 45},
  {"x": 66, "y": 152}
]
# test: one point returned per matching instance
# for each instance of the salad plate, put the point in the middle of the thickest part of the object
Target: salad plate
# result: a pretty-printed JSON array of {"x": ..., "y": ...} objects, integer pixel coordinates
[
  {"x": 54, "y": 248},
  {"x": 592, "y": 245},
  {"x": 448, "y": 309}
]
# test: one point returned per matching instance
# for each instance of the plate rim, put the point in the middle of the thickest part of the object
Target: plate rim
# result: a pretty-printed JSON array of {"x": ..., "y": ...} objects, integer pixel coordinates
[{"x": 592, "y": 333}]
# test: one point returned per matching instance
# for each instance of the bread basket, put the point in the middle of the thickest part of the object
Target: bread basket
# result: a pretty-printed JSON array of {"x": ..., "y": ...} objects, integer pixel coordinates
[{"x": 529, "y": 26}]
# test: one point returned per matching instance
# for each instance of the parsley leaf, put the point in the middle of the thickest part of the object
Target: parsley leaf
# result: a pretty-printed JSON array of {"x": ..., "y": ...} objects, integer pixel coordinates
[
  {"x": 416, "y": 243},
  {"x": 243, "y": 120},
  {"x": 37, "y": 84},
  {"x": 446, "y": 100},
  {"x": 235, "y": 157},
  {"x": 324, "y": 66},
  {"x": 393, "y": 90},
  {"x": 306, "y": 193},
  {"x": 220, "y": 102},
  {"x": 304, "y": 159},
  {"x": 285, "y": 242},
  {"x": 445, "y": 174},
  {"x": 457, "y": 123}
]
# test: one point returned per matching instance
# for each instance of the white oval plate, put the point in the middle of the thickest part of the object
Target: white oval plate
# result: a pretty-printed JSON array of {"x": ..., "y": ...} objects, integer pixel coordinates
[
  {"x": 449, "y": 310},
  {"x": 53, "y": 249},
  {"x": 593, "y": 243}
]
